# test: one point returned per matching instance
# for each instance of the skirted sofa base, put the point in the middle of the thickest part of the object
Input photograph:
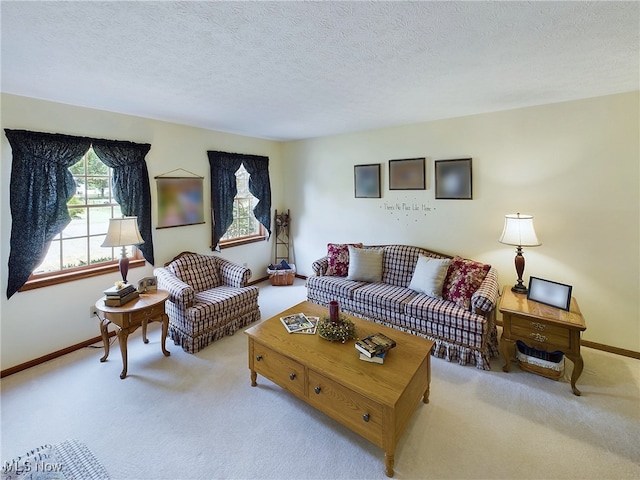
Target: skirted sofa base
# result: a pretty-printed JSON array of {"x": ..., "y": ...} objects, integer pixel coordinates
[{"x": 466, "y": 336}]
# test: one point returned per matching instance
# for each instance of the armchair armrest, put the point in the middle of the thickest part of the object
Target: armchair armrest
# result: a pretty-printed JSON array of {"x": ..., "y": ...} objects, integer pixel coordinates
[
  {"x": 180, "y": 293},
  {"x": 485, "y": 299},
  {"x": 320, "y": 266},
  {"x": 233, "y": 274}
]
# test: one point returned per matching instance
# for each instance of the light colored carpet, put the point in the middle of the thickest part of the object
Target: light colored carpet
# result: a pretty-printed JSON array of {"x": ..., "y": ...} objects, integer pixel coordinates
[{"x": 197, "y": 417}]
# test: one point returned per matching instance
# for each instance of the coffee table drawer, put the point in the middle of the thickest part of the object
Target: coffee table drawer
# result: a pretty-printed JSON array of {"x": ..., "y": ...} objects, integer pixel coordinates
[
  {"x": 354, "y": 411},
  {"x": 278, "y": 368}
]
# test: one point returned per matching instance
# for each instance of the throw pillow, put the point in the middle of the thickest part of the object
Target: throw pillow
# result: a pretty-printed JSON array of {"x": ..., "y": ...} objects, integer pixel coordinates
[
  {"x": 429, "y": 274},
  {"x": 463, "y": 279},
  {"x": 338, "y": 258},
  {"x": 365, "y": 264}
]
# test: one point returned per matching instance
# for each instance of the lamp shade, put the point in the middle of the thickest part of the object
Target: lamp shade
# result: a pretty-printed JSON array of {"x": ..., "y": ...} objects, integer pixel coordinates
[
  {"x": 518, "y": 230},
  {"x": 122, "y": 231}
]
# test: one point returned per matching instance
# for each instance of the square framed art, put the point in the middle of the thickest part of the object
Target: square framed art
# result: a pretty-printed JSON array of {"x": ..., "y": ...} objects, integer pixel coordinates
[{"x": 453, "y": 179}]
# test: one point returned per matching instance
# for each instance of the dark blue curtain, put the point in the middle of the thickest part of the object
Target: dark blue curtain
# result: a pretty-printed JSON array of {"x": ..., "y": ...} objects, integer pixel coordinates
[
  {"x": 223, "y": 167},
  {"x": 40, "y": 187},
  {"x": 130, "y": 184}
]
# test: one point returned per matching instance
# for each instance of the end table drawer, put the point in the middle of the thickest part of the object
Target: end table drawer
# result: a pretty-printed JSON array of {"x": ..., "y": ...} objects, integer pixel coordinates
[
  {"x": 351, "y": 409},
  {"x": 539, "y": 332},
  {"x": 282, "y": 370},
  {"x": 147, "y": 313}
]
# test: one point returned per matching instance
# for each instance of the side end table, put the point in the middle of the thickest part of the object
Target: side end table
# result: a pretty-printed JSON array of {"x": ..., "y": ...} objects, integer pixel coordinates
[
  {"x": 148, "y": 307},
  {"x": 542, "y": 327}
]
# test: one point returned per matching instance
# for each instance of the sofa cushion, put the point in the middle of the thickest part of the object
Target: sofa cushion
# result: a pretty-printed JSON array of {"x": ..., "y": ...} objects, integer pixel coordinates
[
  {"x": 365, "y": 264},
  {"x": 333, "y": 288},
  {"x": 400, "y": 262},
  {"x": 198, "y": 271},
  {"x": 429, "y": 275},
  {"x": 463, "y": 279},
  {"x": 379, "y": 297},
  {"x": 338, "y": 258}
]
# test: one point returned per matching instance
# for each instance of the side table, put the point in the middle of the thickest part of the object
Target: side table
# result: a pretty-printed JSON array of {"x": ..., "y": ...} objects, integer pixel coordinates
[
  {"x": 543, "y": 327},
  {"x": 148, "y": 307}
]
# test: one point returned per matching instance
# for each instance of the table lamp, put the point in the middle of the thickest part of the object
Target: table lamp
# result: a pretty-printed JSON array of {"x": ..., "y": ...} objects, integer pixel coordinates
[
  {"x": 518, "y": 231},
  {"x": 122, "y": 232}
]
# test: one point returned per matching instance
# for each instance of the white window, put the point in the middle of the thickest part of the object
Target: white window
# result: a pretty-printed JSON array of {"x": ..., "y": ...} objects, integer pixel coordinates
[
  {"x": 77, "y": 247},
  {"x": 245, "y": 226}
]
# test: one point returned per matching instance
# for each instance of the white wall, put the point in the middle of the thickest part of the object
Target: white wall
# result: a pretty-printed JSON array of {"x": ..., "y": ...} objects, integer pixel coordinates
[
  {"x": 38, "y": 322},
  {"x": 574, "y": 166}
]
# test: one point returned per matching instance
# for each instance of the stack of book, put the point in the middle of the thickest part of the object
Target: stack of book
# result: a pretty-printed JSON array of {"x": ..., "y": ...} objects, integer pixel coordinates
[
  {"x": 374, "y": 348},
  {"x": 115, "y": 297}
]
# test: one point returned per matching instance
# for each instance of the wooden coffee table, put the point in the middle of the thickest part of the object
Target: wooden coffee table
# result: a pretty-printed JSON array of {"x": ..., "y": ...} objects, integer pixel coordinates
[{"x": 375, "y": 401}]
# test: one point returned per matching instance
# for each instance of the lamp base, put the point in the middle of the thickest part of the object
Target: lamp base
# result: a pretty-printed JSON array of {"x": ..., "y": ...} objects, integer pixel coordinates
[{"x": 519, "y": 288}]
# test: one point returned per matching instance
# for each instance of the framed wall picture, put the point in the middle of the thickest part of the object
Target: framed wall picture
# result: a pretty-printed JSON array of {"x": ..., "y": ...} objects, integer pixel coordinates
[
  {"x": 453, "y": 179},
  {"x": 550, "y": 293},
  {"x": 366, "y": 180},
  {"x": 407, "y": 174}
]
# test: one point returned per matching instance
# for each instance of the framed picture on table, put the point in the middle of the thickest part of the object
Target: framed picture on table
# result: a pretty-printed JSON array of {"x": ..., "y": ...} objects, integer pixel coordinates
[{"x": 550, "y": 293}]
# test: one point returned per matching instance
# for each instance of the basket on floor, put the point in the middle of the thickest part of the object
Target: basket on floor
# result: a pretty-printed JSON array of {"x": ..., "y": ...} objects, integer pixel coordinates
[{"x": 281, "y": 278}]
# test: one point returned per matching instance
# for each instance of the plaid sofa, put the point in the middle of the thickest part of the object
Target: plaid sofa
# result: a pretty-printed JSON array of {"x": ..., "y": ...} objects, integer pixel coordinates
[
  {"x": 467, "y": 336},
  {"x": 208, "y": 299}
]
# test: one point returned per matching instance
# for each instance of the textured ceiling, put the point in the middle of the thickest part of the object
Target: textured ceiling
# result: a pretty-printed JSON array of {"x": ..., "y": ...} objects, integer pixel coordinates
[{"x": 292, "y": 70}]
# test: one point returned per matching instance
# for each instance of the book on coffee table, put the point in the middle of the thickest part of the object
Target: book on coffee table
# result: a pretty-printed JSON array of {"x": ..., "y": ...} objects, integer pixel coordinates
[
  {"x": 374, "y": 344},
  {"x": 379, "y": 358},
  {"x": 296, "y": 322}
]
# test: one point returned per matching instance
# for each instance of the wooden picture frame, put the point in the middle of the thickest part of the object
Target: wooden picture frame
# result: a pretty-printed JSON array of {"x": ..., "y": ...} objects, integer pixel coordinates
[
  {"x": 407, "y": 174},
  {"x": 550, "y": 293},
  {"x": 366, "y": 180},
  {"x": 453, "y": 179}
]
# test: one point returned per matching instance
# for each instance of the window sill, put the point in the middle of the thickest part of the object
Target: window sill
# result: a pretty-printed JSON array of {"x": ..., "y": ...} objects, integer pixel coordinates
[
  {"x": 241, "y": 241},
  {"x": 59, "y": 278}
]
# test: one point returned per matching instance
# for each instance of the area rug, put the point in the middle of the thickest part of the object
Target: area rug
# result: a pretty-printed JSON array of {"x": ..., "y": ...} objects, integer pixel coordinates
[{"x": 68, "y": 460}]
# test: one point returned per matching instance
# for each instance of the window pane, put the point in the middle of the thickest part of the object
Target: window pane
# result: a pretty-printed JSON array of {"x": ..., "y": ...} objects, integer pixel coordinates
[
  {"x": 103, "y": 254},
  {"x": 51, "y": 262},
  {"x": 78, "y": 225},
  {"x": 74, "y": 253},
  {"x": 99, "y": 220}
]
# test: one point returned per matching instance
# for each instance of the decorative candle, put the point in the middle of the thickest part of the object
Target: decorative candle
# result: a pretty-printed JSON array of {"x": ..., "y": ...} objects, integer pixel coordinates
[{"x": 334, "y": 312}]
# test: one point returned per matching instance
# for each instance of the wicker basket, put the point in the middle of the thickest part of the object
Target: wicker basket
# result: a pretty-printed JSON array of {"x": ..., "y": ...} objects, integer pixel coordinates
[
  {"x": 281, "y": 278},
  {"x": 546, "y": 364}
]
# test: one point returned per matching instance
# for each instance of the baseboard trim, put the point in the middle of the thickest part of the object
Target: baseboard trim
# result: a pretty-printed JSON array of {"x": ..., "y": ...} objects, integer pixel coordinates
[
  {"x": 607, "y": 348},
  {"x": 51, "y": 356}
]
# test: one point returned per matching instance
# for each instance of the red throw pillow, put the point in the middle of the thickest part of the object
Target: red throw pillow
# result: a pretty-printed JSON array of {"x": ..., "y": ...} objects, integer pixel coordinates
[
  {"x": 338, "y": 257},
  {"x": 463, "y": 279}
]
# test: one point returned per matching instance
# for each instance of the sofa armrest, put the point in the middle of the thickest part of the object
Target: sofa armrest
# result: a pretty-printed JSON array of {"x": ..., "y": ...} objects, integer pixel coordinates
[
  {"x": 180, "y": 293},
  {"x": 320, "y": 266},
  {"x": 233, "y": 274},
  {"x": 485, "y": 299}
]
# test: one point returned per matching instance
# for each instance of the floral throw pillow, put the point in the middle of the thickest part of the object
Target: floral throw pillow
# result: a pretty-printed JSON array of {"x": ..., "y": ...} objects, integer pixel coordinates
[
  {"x": 462, "y": 280},
  {"x": 338, "y": 258}
]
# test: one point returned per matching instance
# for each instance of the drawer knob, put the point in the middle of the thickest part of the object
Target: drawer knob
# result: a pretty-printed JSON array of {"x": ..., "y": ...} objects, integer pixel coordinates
[
  {"x": 317, "y": 390},
  {"x": 365, "y": 417},
  {"x": 292, "y": 376},
  {"x": 538, "y": 338},
  {"x": 258, "y": 357},
  {"x": 539, "y": 326}
]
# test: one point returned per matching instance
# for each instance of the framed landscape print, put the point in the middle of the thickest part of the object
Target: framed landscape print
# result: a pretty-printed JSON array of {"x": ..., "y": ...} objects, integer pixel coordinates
[
  {"x": 453, "y": 179},
  {"x": 367, "y": 180},
  {"x": 407, "y": 174}
]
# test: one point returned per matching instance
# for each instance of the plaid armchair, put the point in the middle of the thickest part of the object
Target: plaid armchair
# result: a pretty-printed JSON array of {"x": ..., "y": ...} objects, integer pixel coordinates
[{"x": 208, "y": 299}]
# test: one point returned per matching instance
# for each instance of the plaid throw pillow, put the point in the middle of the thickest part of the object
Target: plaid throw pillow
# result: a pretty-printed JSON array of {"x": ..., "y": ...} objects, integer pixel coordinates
[
  {"x": 338, "y": 258},
  {"x": 462, "y": 280}
]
